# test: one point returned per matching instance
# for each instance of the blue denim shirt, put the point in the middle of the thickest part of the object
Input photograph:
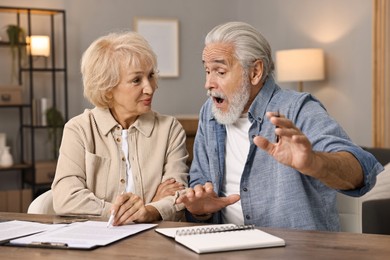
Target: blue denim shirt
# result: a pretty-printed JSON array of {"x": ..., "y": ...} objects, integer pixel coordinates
[{"x": 273, "y": 194}]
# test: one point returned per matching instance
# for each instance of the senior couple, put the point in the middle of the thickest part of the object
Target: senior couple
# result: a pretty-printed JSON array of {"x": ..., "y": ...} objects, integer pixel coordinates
[{"x": 121, "y": 158}]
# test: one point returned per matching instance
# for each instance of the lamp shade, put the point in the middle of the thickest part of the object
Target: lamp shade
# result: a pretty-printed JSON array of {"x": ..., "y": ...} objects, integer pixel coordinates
[
  {"x": 40, "y": 45},
  {"x": 300, "y": 65}
]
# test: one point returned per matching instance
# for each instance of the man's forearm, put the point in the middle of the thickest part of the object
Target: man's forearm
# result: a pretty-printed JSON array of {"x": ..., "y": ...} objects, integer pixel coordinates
[{"x": 340, "y": 170}]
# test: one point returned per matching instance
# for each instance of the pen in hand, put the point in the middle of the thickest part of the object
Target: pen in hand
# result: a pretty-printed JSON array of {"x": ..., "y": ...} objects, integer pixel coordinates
[
  {"x": 277, "y": 136},
  {"x": 112, "y": 216},
  {"x": 111, "y": 219}
]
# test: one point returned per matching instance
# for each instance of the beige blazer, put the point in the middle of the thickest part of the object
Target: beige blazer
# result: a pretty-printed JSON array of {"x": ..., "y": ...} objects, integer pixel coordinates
[{"x": 91, "y": 168}]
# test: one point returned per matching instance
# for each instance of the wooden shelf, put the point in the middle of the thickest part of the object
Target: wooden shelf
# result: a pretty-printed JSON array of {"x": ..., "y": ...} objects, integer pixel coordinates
[
  {"x": 25, "y": 10},
  {"x": 52, "y": 69},
  {"x": 7, "y": 43},
  {"x": 16, "y": 167},
  {"x": 43, "y": 69}
]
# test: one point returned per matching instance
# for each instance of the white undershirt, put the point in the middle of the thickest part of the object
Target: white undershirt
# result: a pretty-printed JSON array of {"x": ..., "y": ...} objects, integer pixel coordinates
[
  {"x": 125, "y": 149},
  {"x": 237, "y": 148}
]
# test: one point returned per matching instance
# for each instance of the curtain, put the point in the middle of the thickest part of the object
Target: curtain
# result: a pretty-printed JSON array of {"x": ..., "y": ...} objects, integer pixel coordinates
[{"x": 381, "y": 73}]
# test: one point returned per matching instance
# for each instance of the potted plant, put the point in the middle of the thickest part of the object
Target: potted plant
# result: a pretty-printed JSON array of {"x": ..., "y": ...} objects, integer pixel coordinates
[
  {"x": 16, "y": 36},
  {"x": 55, "y": 122}
]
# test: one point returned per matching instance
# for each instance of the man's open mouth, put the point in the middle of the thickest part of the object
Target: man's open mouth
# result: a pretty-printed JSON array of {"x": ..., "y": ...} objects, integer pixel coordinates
[{"x": 218, "y": 100}]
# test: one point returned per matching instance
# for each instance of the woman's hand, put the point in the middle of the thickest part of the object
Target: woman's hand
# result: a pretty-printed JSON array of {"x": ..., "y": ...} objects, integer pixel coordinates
[
  {"x": 167, "y": 188},
  {"x": 129, "y": 208}
]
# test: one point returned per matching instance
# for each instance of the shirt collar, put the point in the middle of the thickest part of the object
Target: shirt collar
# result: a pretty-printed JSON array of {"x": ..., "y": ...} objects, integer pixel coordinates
[
  {"x": 106, "y": 122},
  {"x": 259, "y": 105},
  {"x": 145, "y": 123}
]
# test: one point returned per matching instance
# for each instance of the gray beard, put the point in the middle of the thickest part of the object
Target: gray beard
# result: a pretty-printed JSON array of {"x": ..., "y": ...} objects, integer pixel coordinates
[{"x": 236, "y": 106}]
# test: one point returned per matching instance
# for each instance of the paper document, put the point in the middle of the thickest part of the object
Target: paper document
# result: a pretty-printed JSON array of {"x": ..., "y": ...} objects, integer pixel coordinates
[
  {"x": 218, "y": 238},
  {"x": 82, "y": 235},
  {"x": 15, "y": 228}
]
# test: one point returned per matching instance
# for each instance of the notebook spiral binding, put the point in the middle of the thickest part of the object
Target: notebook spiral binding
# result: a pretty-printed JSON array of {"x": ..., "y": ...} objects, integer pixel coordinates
[{"x": 199, "y": 231}]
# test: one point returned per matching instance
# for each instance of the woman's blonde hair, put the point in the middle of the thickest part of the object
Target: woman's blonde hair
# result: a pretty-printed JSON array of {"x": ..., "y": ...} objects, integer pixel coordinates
[{"x": 101, "y": 63}]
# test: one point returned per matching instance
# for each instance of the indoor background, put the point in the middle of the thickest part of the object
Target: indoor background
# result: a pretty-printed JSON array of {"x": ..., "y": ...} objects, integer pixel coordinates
[{"x": 343, "y": 29}]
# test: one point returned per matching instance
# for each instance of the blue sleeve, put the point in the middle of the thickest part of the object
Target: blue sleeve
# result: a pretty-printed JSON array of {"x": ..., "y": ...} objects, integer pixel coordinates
[
  {"x": 371, "y": 168},
  {"x": 327, "y": 135},
  {"x": 200, "y": 171}
]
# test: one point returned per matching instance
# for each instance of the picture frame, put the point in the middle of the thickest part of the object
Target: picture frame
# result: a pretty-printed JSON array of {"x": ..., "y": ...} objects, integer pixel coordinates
[{"x": 163, "y": 36}]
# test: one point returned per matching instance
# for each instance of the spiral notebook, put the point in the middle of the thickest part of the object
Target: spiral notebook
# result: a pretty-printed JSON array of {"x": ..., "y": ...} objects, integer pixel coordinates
[{"x": 224, "y": 237}]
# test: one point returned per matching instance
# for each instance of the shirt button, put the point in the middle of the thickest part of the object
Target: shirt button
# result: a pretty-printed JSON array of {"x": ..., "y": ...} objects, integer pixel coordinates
[
  {"x": 123, "y": 181},
  {"x": 248, "y": 217},
  {"x": 118, "y": 140},
  {"x": 123, "y": 159},
  {"x": 245, "y": 189}
]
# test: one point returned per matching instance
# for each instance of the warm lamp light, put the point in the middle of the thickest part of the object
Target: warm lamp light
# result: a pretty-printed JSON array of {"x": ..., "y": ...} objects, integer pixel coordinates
[
  {"x": 300, "y": 65},
  {"x": 40, "y": 45}
]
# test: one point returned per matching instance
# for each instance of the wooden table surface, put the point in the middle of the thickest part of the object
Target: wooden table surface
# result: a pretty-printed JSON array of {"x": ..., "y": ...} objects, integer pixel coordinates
[{"x": 151, "y": 245}]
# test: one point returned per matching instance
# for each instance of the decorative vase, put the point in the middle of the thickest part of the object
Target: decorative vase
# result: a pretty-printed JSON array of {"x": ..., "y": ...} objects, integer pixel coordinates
[{"x": 6, "y": 159}]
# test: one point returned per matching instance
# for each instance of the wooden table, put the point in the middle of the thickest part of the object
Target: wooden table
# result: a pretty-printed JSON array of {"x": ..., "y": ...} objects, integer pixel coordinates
[{"x": 151, "y": 245}]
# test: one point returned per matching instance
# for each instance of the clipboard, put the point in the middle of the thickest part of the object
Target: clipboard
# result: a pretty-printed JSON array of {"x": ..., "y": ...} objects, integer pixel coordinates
[
  {"x": 52, "y": 245},
  {"x": 16, "y": 228},
  {"x": 80, "y": 235}
]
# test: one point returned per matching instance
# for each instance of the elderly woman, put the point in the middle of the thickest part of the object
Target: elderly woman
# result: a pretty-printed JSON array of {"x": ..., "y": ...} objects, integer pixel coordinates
[{"x": 121, "y": 158}]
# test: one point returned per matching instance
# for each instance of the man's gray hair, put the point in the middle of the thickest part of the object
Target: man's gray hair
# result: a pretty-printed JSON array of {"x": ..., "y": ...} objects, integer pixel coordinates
[{"x": 248, "y": 43}]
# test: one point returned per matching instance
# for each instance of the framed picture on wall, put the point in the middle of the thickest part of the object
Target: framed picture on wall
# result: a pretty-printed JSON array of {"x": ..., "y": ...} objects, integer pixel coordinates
[{"x": 163, "y": 35}]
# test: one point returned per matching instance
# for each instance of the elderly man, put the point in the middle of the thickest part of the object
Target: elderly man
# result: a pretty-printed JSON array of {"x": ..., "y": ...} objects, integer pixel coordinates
[{"x": 264, "y": 155}]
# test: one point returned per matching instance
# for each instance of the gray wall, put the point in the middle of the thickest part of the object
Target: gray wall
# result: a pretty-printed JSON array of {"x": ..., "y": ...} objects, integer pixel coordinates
[{"x": 343, "y": 28}]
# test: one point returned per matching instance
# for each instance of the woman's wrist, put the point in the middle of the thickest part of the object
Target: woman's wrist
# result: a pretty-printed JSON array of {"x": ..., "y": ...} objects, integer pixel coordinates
[{"x": 153, "y": 213}]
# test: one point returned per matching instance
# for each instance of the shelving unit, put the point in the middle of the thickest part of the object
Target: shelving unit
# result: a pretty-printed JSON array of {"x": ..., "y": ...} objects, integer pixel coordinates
[{"x": 54, "y": 74}]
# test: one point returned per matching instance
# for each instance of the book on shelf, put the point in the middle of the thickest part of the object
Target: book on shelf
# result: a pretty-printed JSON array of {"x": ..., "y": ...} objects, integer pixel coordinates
[
  {"x": 222, "y": 237},
  {"x": 39, "y": 107}
]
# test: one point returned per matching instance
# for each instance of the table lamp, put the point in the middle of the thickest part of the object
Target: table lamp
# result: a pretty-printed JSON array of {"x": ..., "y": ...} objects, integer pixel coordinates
[
  {"x": 39, "y": 46},
  {"x": 300, "y": 65}
]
